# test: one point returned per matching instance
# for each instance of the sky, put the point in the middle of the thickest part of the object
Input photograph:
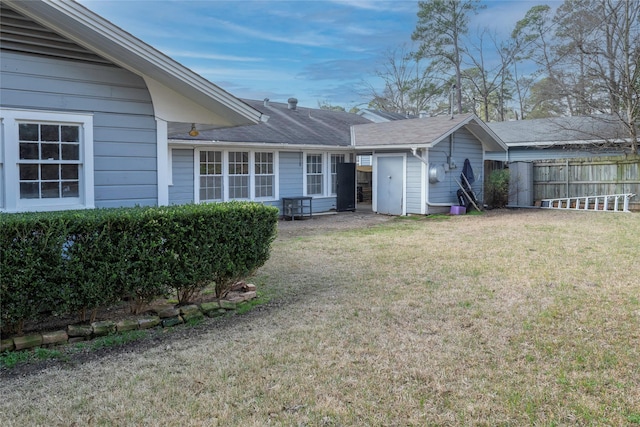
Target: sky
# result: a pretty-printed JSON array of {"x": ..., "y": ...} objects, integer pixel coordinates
[{"x": 318, "y": 51}]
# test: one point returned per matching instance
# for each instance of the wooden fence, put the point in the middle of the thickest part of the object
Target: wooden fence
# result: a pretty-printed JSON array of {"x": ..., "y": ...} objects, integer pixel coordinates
[{"x": 587, "y": 177}]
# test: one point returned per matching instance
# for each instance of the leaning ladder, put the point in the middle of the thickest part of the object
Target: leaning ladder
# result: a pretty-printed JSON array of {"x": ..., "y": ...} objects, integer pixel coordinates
[{"x": 606, "y": 203}]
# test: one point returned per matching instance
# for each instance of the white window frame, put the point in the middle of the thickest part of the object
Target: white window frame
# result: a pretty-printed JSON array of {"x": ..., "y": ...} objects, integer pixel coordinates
[
  {"x": 326, "y": 171},
  {"x": 255, "y": 174},
  {"x": 331, "y": 172},
  {"x": 225, "y": 174},
  {"x": 10, "y": 153},
  {"x": 323, "y": 173},
  {"x": 199, "y": 175}
]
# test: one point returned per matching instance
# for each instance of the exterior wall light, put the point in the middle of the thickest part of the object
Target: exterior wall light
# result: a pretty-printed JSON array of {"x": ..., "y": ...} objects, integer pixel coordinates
[{"x": 193, "y": 132}]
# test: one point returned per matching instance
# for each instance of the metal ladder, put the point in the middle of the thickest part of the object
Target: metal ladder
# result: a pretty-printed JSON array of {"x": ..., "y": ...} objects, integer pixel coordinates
[{"x": 605, "y": 203}]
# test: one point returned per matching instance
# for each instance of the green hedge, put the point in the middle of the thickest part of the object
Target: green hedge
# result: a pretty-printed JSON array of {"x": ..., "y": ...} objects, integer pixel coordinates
[{"x": 74, "y": 261}]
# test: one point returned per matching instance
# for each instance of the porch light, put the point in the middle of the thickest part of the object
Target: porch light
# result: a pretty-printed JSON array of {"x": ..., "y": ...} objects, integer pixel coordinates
[{"x": 193, "y": 131}]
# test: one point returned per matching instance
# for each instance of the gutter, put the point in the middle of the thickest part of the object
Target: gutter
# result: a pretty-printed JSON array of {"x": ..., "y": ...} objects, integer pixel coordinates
[{"x": 196, "y": 143}]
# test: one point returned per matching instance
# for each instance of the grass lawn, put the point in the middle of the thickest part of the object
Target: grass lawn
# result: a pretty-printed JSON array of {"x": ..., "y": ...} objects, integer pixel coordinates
[{"x": 511, "y": 318}]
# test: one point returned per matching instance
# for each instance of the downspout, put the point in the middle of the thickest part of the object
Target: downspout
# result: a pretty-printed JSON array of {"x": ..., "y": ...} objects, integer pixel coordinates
[{"x": 414, "y": 151}]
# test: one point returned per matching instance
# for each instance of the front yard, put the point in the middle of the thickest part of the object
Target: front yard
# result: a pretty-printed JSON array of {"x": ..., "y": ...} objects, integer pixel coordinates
[{"x": 510, "y": 318}]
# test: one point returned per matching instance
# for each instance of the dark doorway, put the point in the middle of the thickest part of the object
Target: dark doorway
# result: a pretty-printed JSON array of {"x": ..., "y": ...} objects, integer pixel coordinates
[{"x": 346, "y": 187}]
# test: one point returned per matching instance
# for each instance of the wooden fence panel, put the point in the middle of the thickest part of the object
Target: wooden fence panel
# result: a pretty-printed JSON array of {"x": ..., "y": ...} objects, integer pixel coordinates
[{"x": 587, "y": 177}]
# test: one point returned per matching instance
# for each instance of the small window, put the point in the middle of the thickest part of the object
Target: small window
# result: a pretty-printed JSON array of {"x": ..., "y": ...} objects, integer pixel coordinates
[
  {"x": 238, "y": 175},
  {"x": 211, "y": 175},
  {"x": 49, "y": 161},
  {"x": 264, "y": 175},
  {"x": 46, "y": 161},
  {"x": 314, "y": 174},
  {"x": 335, "y": 159}
]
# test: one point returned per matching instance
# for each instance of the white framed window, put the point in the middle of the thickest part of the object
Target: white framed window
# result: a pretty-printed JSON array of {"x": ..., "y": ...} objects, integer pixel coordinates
[
  {"x": 264, "y": 175},
  {"x": 235, "y": 175},
  {"x": 211, "y": 178},
  {"x": 335, "y": 159},
  {"x": 314, "y": 174},
  {"x": 238, "y": 175},
  {"x": 46, "y": 160}
]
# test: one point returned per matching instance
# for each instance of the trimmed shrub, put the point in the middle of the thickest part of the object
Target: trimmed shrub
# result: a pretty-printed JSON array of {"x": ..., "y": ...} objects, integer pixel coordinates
[{"x": 78, "y": 261}]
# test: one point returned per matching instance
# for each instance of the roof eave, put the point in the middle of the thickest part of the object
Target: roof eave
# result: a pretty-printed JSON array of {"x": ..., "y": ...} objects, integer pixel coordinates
[{"x": 95, "y": 33}]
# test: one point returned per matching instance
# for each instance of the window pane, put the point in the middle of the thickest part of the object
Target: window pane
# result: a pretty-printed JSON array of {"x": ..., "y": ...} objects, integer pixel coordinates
[
  {"x": 70, "y": 133},
  {"x": 50, "y": 172},
  {"x": 238, "y": 187},
  {"x": 28, "y": 172},
  {"x": 29, "y": 151},
  {"x": 50, "y": 152},
  {"x": 69, "y": 171},
  {"x": 50, "y": 190},
  {"x": 264, "y": 186},
  {"x": 70, "y": 152},
  {"x": 28, "y": 132},
  {"x": 50, "y": 133},
  {"x": 42, "y": 150},
  {"x": 29, "y": 190},
  {"x": 70, "y": 189}
]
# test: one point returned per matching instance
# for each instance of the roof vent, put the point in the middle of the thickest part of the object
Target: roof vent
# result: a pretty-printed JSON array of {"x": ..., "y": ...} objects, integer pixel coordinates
[
  {"x": 423, "y": 114},
  {"x": 266, "y": 102},
  {"x": 293, "y": 103}
]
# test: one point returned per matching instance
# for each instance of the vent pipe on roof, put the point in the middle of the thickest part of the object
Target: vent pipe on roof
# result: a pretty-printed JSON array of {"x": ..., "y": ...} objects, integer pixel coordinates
[
  {"x": 266, "y": 102},
  {"x": 293, "y": 103}
]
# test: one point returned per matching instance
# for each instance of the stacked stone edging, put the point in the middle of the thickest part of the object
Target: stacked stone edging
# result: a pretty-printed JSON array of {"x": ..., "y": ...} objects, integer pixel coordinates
[{"x": 164, "y": 316}]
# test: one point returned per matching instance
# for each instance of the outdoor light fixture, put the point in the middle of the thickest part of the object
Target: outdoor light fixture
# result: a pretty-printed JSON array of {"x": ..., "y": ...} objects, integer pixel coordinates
[{"x": 193, "y": 131}]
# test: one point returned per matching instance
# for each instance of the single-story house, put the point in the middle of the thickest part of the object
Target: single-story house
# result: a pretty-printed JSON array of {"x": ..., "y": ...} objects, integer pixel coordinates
[
  {"x": 85, "y": 109},
  {"x": 297, "y": 153},
  {"x": 417, "y": 163},
  {"x": 559, "y": 138}
]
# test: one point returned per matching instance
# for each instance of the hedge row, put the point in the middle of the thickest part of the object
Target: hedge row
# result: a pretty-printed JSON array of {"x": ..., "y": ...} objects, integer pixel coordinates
[{"x": 77, "y": 261}]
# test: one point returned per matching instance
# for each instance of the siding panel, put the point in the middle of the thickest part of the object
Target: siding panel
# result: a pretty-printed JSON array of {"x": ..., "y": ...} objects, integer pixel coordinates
[
  {"x": 465, "y": 146},
  {"x": 182, "y": 190}
]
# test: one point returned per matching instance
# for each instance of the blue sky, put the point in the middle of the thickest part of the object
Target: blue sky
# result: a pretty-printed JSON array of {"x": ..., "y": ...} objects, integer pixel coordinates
[{"x": 316, "y": 51}]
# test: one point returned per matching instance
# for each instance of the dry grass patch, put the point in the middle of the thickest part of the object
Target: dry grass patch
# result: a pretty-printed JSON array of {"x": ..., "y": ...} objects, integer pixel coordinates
[{"x": 514, "y": 318}]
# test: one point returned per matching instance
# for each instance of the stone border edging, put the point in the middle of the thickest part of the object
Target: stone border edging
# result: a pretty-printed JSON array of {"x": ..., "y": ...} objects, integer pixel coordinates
[{"x": 165, "y": 316}]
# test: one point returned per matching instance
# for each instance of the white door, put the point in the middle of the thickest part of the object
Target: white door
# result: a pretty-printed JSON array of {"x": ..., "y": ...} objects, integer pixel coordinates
[{"x": 390, "y": 185}]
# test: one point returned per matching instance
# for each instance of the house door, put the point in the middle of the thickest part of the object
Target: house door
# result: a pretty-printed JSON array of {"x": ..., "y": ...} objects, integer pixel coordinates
[
  {"x": 390, "y": 185},
  {"x": 346, "y": 187}
]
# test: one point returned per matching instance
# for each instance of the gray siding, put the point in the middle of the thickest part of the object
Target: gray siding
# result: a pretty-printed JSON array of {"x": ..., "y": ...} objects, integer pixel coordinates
[
  {"x": 414, "y": 185},
  {"x": 124, "y": 124},
  {"x": 465, "y": 146},
  {"x": 182, "y": 191},
  {"x": 291, "y": 170}
]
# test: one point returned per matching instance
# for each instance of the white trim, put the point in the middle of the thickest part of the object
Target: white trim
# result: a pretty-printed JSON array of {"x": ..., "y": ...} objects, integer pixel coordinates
[
  {"x": 163, "y": 165},
  {"x": 10, "y": 155}
]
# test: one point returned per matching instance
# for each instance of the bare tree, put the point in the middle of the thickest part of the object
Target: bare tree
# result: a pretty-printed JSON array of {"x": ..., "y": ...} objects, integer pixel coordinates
[{"x": 409, "y": 86}]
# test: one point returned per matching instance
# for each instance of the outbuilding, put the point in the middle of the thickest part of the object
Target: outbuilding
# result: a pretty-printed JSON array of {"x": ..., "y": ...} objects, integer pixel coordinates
[{"x": 417, "y": 163}]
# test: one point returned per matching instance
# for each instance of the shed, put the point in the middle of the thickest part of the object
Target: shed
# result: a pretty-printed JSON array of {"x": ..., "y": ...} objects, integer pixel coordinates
[{"x": 416, "y": 162}]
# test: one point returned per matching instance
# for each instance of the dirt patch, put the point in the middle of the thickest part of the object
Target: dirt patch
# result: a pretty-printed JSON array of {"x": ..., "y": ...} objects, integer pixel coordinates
[{"x": 320, "y": 224}]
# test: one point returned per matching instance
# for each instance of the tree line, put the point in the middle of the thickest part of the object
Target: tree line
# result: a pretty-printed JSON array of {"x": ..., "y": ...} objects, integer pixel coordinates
[{"x": 581, "y": 59}]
